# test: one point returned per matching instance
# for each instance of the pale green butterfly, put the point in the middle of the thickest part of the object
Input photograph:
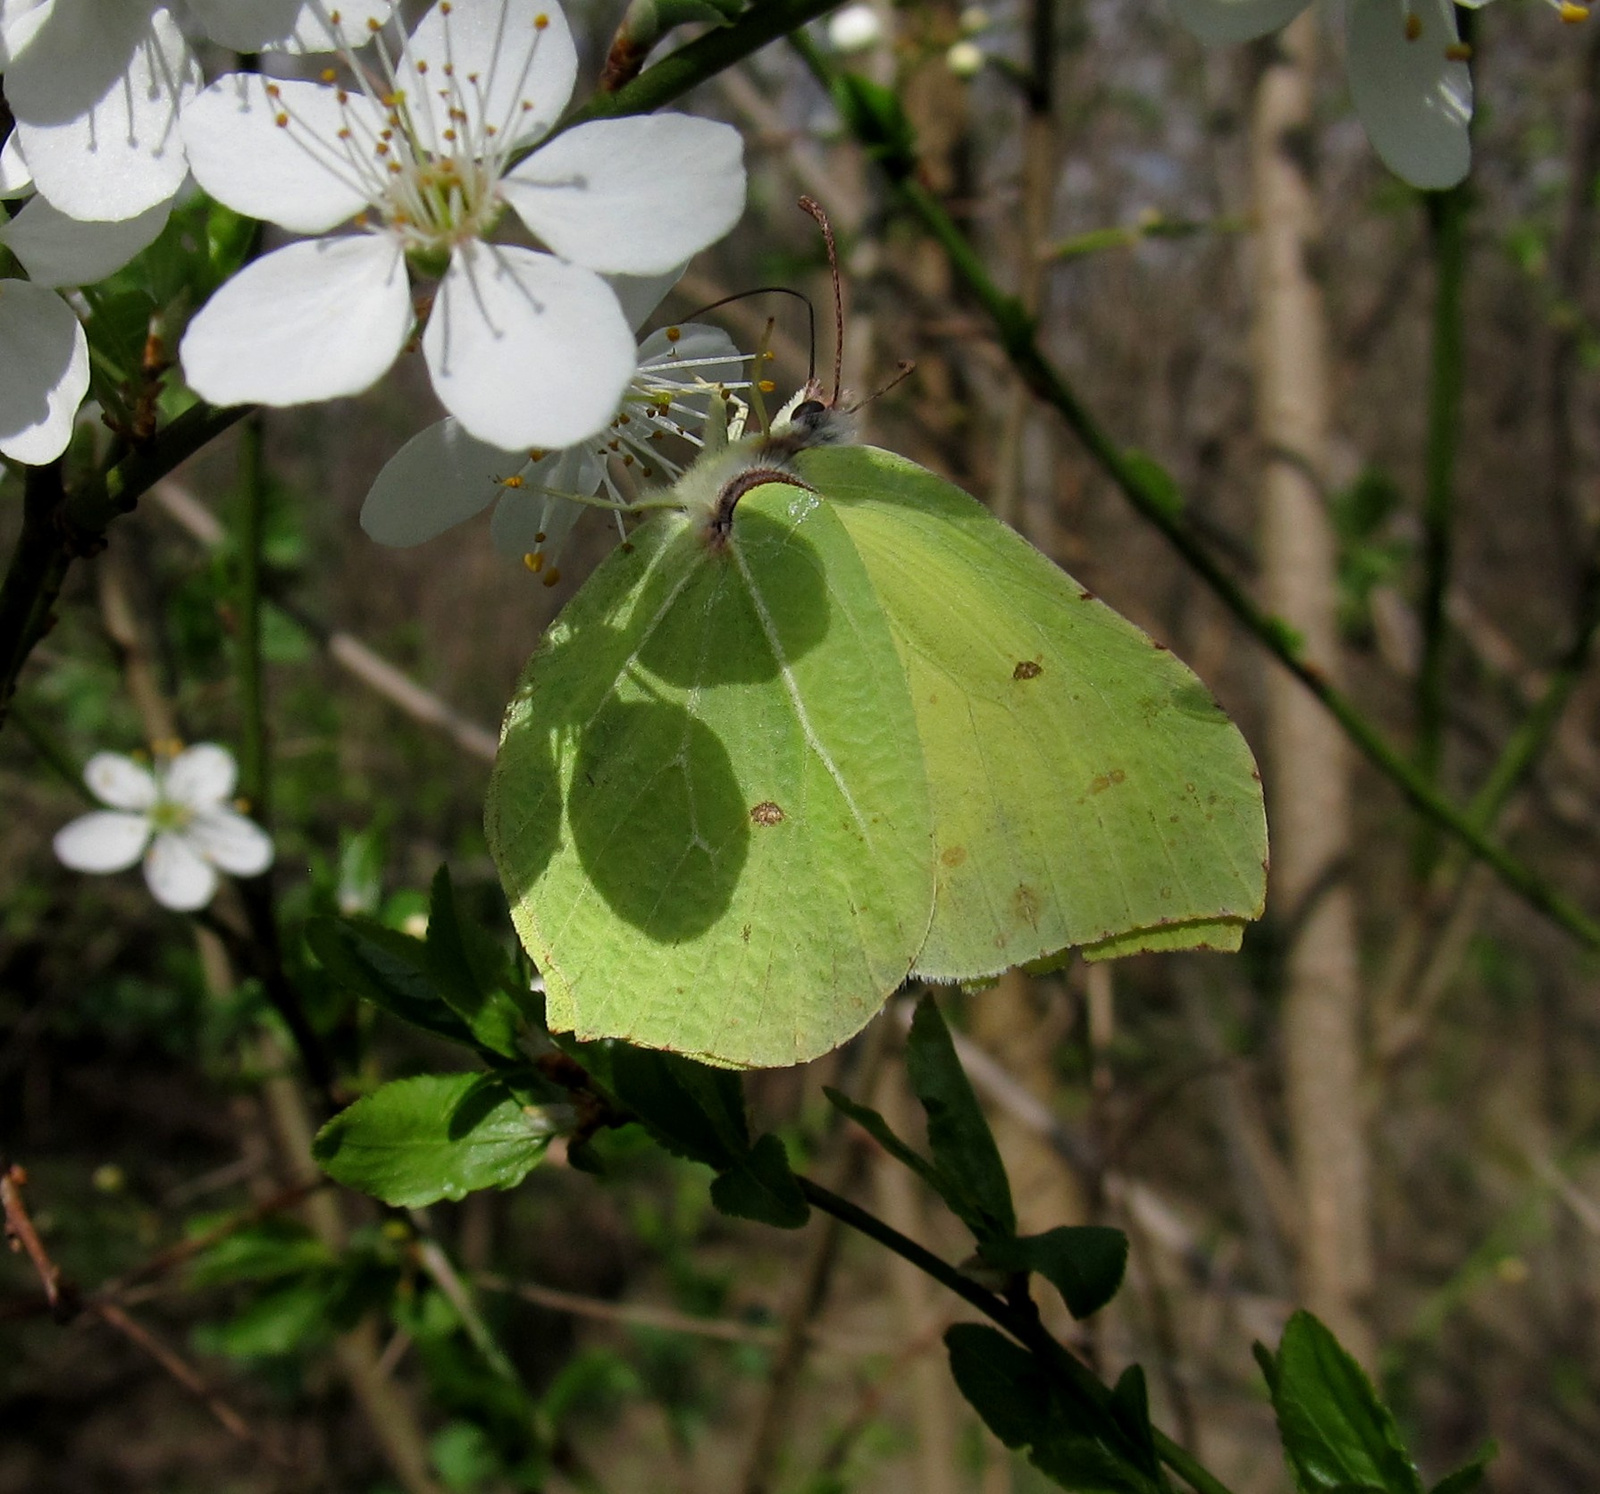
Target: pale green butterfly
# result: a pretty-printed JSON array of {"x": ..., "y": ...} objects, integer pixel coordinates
[{"x": 828, "y": 724}]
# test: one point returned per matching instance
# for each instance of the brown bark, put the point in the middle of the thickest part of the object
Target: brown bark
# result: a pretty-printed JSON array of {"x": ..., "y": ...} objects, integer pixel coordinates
[{"x": 1309, "y": 787}]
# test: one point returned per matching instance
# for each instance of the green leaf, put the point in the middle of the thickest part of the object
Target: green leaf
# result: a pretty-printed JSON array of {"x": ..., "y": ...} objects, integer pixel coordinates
[
  {"x": 964, "y": 1151},
  {"x": 762, "y": 1187},
  {"x": 1336, "y": 1433},
  {"x": 692, "y": 1109},
  {"x": 1084, "y": 1262},
  {"x": 1470, "y": 1475},
  {"x": 277, "y": 1322},
  {"x": 390, "y": 969},
  {"x": 435, "y": 1136},
  {"x": 1086, "y": 788},
  {"x": 264, "y": 1252},
  {"x": 470, "y": 972},
  {"x": 878, "y": 1129},
  {"x": 1080, "y": 1446},
  {"x": 707, "y": 809}
]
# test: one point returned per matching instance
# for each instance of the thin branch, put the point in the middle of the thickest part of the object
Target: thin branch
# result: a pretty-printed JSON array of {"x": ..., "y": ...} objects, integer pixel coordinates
[
  {"x": 703, "y": 58},
  {"x": 1447, "y": 222},
  {"x": 1022, "y": 1326},
  {"x": 58, "y": 527}
]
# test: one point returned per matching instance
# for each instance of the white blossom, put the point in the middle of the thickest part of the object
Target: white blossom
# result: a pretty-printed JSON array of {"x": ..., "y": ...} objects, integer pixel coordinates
[
  {"x": 44, "y": 356},
  {"x": 442, "y": 476},
  {"x": 525, "y": 347},
  {"x": 96, "y": 86},
  {"x": 1408, "y": 74},
  {"x": 175, "y": 815}
]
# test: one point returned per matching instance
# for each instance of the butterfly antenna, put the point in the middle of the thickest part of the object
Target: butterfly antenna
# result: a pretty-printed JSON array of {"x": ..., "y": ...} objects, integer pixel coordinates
[
  {"x": 905, "y": 369},
  {"x": 772, "y": 290},
  {"x": 812, "y": 206}
]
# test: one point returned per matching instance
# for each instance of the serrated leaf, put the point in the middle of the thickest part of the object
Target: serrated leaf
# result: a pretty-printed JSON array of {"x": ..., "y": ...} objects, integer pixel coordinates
[
  {"x": 465, "y": 968},
  {"x": 1337, "y": 1434},
  {"x": 1084, "y": 1262},
  {"x": 693, "y": 1110},
  {"x": 703, "y": 809},
  {"x": 964, "y": 1150},
  {"x": 390, "y": 969},
  {"x": 1086, "y": 788},
  {"x": 1470, "y": 1475},
  {"x": 415, "y": 1141},
  {"x": 1080, "y": 1447},
  {"x": 761, "y": 1186}
]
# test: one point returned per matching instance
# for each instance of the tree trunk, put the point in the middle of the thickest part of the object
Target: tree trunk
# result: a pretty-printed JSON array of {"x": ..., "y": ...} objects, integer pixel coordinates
[{"x": 1309, "y": 790}]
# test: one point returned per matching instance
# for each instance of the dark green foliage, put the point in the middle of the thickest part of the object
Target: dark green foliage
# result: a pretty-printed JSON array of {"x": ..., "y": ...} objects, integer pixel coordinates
[
  {"x": 1337, "y": 1435},
  {"x": 1104, "y": 1449},
  {"x": 1084, "y": 1262}
]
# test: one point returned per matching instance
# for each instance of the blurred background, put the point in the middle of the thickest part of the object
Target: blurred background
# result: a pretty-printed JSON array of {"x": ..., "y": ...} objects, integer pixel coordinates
[{"x": 1385, "y": 1107}]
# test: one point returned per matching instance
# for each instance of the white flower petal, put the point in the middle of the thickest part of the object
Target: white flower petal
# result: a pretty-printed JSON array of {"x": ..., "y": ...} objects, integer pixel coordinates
[
  {"x": 1415, "y": 102},
  {"x": 527, "y": 519},
  {"x": 230, "y": 841},
  {"x": 439, "y": 478},
  {"x": 120, "y": 782},
  {"x": 525, "y": 71},
  {"x": 309, "y": 321},
  {"x": 289, "y": 25},
  {"x": 105, "y": 841},
  {"x": 1218, "y": 21},
  {"x": 20, "y": 23},
  {"x": 639, "y": 295},
  {"x": 200, "y": 776},
  {"x": 57, "y": 250},
  {"x": 44, "y": 372},
  {"x": 178, "y": 876},
  {"x": 15, "y": 178},
  {"x": 525, "y": 350},
  {"x": 297, "y": 175},
  {"x": 632, "y": 196},
  {"x": 116, "y": 152}
]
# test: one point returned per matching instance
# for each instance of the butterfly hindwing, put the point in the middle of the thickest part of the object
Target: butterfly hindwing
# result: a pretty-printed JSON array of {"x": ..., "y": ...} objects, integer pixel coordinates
[{"x": 703, "y": 810}]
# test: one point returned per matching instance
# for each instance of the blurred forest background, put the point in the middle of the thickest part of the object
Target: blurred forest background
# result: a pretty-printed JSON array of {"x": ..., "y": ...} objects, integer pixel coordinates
[{"x": 1387, "y": 1107}]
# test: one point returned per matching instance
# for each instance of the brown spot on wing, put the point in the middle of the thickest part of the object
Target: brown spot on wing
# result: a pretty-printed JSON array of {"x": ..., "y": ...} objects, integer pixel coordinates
[
  {"x": 766, "y": 813},
  {"x": 1027, "y": 669},
  {"x": 953, "y": 855}
]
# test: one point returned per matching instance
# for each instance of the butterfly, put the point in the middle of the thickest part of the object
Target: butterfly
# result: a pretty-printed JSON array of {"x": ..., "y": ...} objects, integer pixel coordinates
[{"x": 827, "y": 724}]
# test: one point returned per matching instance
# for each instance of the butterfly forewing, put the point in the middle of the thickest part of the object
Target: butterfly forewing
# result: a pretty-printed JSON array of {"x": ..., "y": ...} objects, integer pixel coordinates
[{"x": 1086, "y": 789}]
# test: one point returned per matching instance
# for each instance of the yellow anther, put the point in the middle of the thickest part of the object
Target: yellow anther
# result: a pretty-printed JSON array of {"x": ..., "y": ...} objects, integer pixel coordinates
[
  {"x": 1571, "y": 14},
  {"x": 658, "y": 435},
  {"x": 1458, "y": 52},
  {"x": 674, "y": 333},
  {"x": 766, "y": 386},
  {"x": 445, "y": 7},
  {"x": 329, "y": 75},
  {"x": 514, "y": 481},
  {"x": 449, "y": 134},
  {"x": 538, "y": 539},
  {"x": 1413, "y": 27},
  {"x": 536, "y": 454},
  {"x": 540, "y": 21},
  {"x": 624, "y": 418},
  {"x": 647, "y": 472},
  {"x": 551, "y": 576},
  {"x": 281, "y": 120},
  {"x": 768, "y": 356},
  {"x": 627, "y": 459},
  {"x": 273, "y": 90},
  {"x": 534, "y": 561},
  {"x": 422, "y": 66}
]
